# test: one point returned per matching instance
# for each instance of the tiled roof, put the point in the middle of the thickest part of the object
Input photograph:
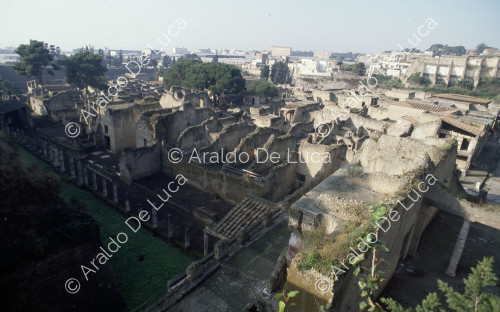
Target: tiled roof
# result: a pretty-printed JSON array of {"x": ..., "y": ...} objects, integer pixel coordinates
[
  {"x": 427, "y": 107},
  {"x": 245, "y": 214},
  {"x": 462, "y": 98},
  {"x": 463, "y": 126}
]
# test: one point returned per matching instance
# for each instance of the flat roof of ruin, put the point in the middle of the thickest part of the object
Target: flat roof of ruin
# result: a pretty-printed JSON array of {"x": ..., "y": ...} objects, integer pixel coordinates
[
  {"x": 463, "y": 98},
  {"x": 427, "y": 107}
]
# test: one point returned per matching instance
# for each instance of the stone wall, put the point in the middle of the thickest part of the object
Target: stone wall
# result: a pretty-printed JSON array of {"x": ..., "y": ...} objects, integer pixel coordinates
[
  {"x": 389, "y": 166},
  {"x": 229, "y": 138},
  {"x": 168, "y": 126},
  {"x": 321, "y": 159},
  {"x": 139, "y": 163},
  {"x": 254, "y": 140},
  {"x": 230, "y": 187}
]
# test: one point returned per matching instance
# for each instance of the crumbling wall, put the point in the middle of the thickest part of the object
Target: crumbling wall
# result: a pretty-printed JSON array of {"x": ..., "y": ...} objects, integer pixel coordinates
[
  {"x": 301, "y": 130},
  {"x": 198, "y": 136},
  {"x": 254, "y": 140},
  {"x": 120, "y": 120},
  {"x": 426, "y": 129},
  {"x": 230, "y": 187},
  {"x": 314, "y": 159},
  {"x": 139, "y": 163},
  {"x": 343, "y": 198},
  {"x": 229, "y": 138},
  {"x": 169, "y": 126},
  {"x": 281, "y": 146}
]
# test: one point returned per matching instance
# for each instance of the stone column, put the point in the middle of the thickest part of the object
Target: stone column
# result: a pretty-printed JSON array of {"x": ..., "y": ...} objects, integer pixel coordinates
[
  {"x": 71, "y": 167},
  {"x": 44, "y": 144},
  {"x": 170, "y": 228},
  {"x": 94, "y": 180},
  {"x": 55, "y": 156},
  {"x": 104, "y": 188},
  {"x": 115, "y": 192},
  {"x": 155, "y": 218},
  {"x": 80, "y": 172},
  {"x": 187, "y": 241},
  {"x": 459, "y": 248},
  {"x": 61, "y": 157},
  {"x": 86, "y": 178},
  {"x": 127, "y": 205},
  {"x": 205, "y": 243}
]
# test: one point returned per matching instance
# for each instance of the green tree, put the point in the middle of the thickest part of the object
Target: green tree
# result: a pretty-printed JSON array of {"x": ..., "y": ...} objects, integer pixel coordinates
[
  {"x": 167, "y": 61},
  {"x": 223, "y": 78},
  {"x": 176, "y": 74},
  {"x": 84, "y": 70},
  {"x": 465, "y": 84},
  {"x": 481, "y": 47},
  {"x": 264, "y": 72},
  {"x": 120, "y": 58},
  {"x": 263, "y": 87},
  {"x": 190, "y": 57},
  {"x": 417, "y": 80},
  {"x": 360, "y": 69},
  {"x": 280, "y": 73},
  {"x": 215, "y": 59},
  {"x": 217, "y": 77},
  {"x": 35, "y": 59},
  {"x": 475, "y": 297}
]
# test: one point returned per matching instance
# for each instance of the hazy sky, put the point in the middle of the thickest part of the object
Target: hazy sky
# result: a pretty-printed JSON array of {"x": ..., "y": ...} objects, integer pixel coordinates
[{"x": 329, "y": 25}]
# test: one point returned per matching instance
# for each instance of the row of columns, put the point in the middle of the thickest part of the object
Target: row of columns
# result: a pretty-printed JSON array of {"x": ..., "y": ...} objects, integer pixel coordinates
[
  {"x": 82, "y": 174},
  {"x": 78, "y": 172}
]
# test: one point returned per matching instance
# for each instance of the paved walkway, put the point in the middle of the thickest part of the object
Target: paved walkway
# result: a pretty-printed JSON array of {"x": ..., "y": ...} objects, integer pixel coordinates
[{"x": 241, "y": 279}]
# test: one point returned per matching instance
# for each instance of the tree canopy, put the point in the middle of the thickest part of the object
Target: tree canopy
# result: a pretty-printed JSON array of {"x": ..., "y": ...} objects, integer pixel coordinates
[
  {"x": 35, "y": 59},
  {"x": 481, "y": 47},
  {"x": 263, "y": 87},
  {"x": 190, "y": 57},
  {"x": 280, "y": 73},
  {"x": 264, "y": 72},
  {"x": 84, "y": 69},
  {"x": 439, "y": 49},
  {"x": 167, "y": 61},
  {"x": 217, "y": 77}
]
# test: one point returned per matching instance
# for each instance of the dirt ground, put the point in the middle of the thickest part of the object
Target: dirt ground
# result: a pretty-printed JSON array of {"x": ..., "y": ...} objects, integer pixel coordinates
[{"x": 418, "y": 275}]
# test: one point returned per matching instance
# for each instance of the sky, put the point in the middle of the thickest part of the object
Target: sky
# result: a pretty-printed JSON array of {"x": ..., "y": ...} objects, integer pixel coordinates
[{"x": 307, "y": 25}]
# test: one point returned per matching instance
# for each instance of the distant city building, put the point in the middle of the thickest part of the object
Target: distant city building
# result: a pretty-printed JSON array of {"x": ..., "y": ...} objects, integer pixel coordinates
[
  {"x": 203, "y": 51},
  {"x": 322, "y": 54},
  {"x": 281, "y": 51},
  {"x": 180, "y": 51},
  {"x": 309, "y": 67},
  {"x": 151, "y": 54}
]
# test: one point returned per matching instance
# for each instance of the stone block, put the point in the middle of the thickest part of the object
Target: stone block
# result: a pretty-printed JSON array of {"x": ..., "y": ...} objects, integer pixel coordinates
[
  {"x": 194, "y": 270},
  {"x": 221, "y": 249}
]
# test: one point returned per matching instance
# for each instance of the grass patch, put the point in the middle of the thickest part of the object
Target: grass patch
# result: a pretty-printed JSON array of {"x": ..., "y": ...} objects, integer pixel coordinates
[
  {"x": 143, "y": 265},
  {"x": 323, "y": 251}
]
